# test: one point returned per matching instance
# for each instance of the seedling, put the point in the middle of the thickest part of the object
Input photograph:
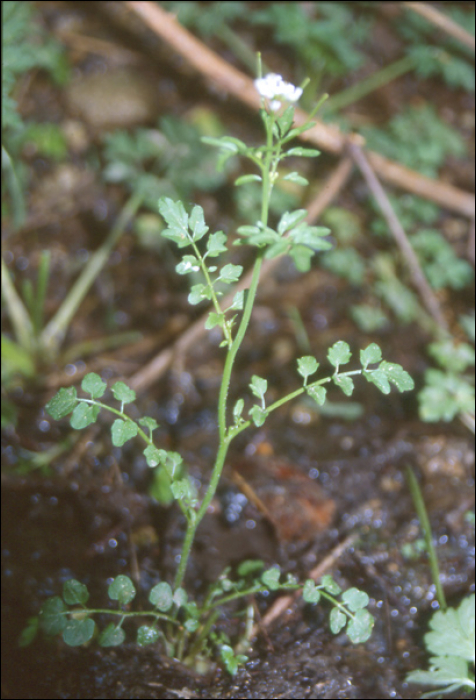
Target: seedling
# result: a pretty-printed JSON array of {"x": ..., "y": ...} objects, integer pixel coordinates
[{"x": 188, "y": 628}]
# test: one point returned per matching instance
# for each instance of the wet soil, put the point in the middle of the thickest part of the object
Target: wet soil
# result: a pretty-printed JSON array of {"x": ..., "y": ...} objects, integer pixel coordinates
[{"x": 315, "y": 478}]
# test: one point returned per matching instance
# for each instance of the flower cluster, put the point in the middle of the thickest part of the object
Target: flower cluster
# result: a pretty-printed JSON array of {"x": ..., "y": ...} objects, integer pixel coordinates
[{"x": 273, "y": 86}]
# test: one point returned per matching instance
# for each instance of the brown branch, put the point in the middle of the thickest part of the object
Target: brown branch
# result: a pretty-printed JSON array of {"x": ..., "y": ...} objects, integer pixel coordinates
[
  {"x": 160, "y": 364},
  {"x": 443, "y": 22},
  {"x": 233, "y": 82},
  {"x": 396, "y": 228}
]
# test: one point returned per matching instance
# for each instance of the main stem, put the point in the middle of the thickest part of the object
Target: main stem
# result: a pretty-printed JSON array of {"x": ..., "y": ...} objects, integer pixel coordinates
[{"x": 224, "y": 437}]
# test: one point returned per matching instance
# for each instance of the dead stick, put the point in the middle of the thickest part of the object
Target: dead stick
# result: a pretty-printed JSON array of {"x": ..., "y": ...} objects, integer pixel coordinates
[
  {"x": 401, "y": 239},
  {"x": 157, "y": 367},
  {"x": 328, "y": 137},
  {"x": 443, "y": 22}
]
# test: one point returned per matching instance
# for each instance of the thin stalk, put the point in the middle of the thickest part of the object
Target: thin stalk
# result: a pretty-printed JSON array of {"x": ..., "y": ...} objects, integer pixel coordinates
[
  {"x": 41, "y": 288},
  {"x": 55, "y": 331},
  {"x": 202, "y": 636},
  {"x": 370, "y": 84},
  {"x": 224, "y": 438},
  {"x": 420, "y": 508},
  {"x": 17, "y": 312},
  {"x": 15, "y": 190}
]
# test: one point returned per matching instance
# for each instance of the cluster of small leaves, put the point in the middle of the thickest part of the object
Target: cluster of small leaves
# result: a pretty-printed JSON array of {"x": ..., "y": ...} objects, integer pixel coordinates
[
  {"x": 77, "y": 626},
  {"x": 448, "y": 392},
  {"x": 69, "y": 615},
  {"x": 187, "y": 231},
  {"x": 84, "y": 412},
  {"x": 418, "y": 138},
  {"x": 169, "y": 160},
  {"x": 293, "y": 236},
  {"x": 440, "y": 264},
  {"x": 209, "y": 20},
  {"x": 25, "y": 46},
  {"x": 451, "y": 642},
  {"x": 383, "y": 376},
  {"x": 444, "y": 59},
  {"x": 329, "y": 41}
]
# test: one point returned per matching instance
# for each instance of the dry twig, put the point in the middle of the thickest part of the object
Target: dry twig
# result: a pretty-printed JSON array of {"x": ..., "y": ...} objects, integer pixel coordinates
[
  {"x": 419, "y": 279},
  {"x": 443, "y": 22}
]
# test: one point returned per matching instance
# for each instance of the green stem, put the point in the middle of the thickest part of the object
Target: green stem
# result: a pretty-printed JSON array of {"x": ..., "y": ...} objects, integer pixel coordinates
[
  {"x": 54, "y": 332},
  {"x": 17, "y": 312},
  {"x": 267, "y": 167},
  {"x": 218, "y": 309},
  {"x": 14, "y": 189},
  {"x": 370, "y": 84},
  {"x": 425, "y": 526}
]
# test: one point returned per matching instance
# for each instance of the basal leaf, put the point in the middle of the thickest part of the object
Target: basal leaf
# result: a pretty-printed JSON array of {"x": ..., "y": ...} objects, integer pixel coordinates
[
  {"x": 62, "y": 403},
  {"x": 337, "y": 620},
  {"x": 310, "y": 592},
  {"x": 75, "y": 593},
  {"x": 51, "y": 617},
  {"x": 83, "y": 415},
  {"x": 161, "y": 596},
  {"x": 153, "y": 456},
  {"x": 359, "y": 628},
  {"x": 270, "y": 578},
  {"x": 122, "y": 589},
  {"x": 78, "y": 632},
  {"x": 355, "y": 599},
  {"x": 147, "y": 635},
  {"x": 330, "y": 585},
  {"x": 111, "y": 636},
  {"x": 123, "y": 393},
  {"x": 94, "y": 385},
  {"x": 148, "y": 422},
  {"x": 122, "y": 431}
]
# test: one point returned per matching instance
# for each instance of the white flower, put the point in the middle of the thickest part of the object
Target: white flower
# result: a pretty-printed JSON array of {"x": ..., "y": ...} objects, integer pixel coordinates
[{"x": 273, "y": 86}]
